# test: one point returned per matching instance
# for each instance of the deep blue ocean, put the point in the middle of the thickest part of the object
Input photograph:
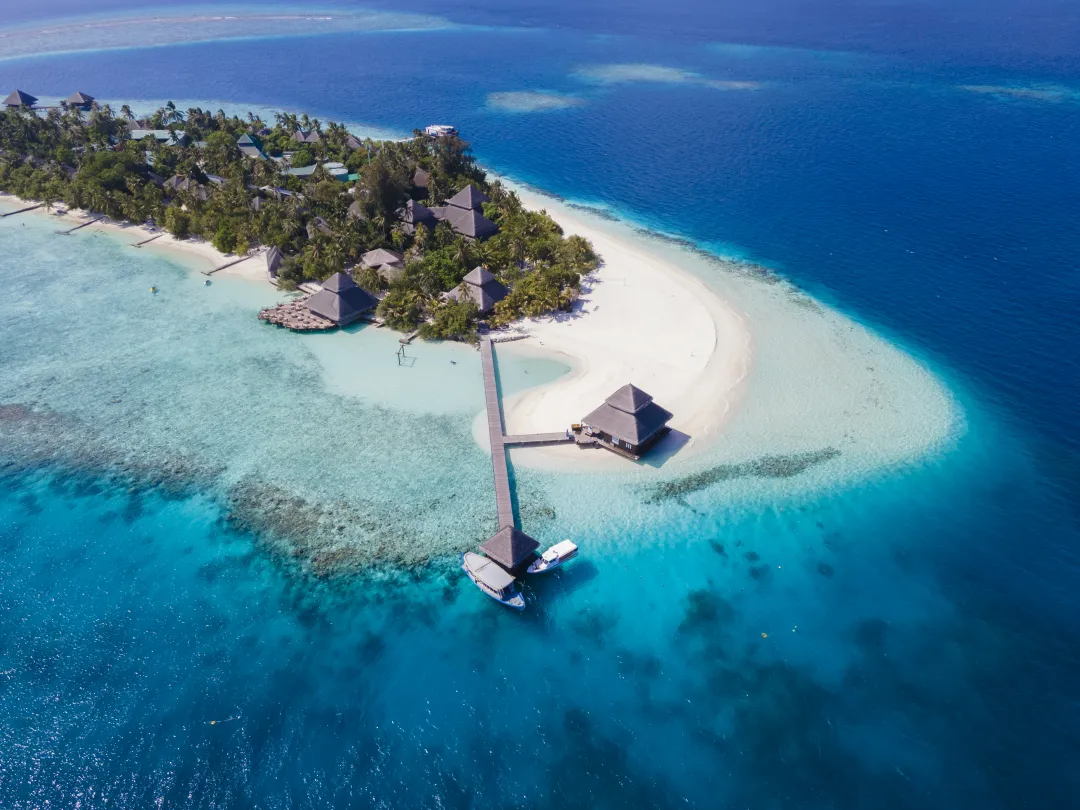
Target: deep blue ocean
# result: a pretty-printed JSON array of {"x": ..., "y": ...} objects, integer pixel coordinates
[{"x": 912, "y": 164}]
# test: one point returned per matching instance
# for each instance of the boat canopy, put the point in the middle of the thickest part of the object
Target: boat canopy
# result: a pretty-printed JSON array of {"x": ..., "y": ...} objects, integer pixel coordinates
[
  {"x": 489, "y": 572},
  {"x": 559, "y": 550}
]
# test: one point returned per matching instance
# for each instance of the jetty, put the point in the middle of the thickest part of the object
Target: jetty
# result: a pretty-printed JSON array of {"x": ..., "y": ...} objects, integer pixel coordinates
[
  {"x": 151, "y": 239},
  {"x": 81, "y": 225},
  {"x": 227, "y": 264},
  {"x": 503, "y": 501},
  {"x": 22, "y": 210},
  {"x": 296, "y": 316}
]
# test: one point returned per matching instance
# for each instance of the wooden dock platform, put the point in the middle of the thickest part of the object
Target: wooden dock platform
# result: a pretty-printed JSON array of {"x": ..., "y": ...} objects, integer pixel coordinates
[
  {"x": 70, "y": 231},
  {"x": 22, "y": 210},
  {"x": 227, "y": 264},
  {"x": 151, "y": 239},
  {"x": 503, "y": 501},
  {"x": 527, "y": 439}
]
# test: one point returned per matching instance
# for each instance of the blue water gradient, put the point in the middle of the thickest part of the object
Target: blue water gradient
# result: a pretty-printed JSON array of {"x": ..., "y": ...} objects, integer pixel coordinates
[{"x": 921, "y": 631}]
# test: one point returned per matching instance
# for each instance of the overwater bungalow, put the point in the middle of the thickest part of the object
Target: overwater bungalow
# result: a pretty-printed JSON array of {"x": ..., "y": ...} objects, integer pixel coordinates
[
  {"x": 20, "y": 99},
  {"x": 482, "y": 288},
  {"x": 511, "y": 548},
  {"x": 341, "y": 300},
  {"x": 462, "y": 212},
  {"x": 79, "y": 100},
  {"x": 628, "y": 422}
]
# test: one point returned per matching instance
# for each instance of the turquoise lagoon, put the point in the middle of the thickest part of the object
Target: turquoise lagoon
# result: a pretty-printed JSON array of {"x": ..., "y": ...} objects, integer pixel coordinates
[{"x": 229, "y": 565}]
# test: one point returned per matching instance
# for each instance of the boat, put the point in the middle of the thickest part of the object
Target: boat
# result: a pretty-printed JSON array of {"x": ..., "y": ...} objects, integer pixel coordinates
[
  {"x": 439, "y": 130},
  {"x": 553, "y": 557},
  {"x": 493, "y": 579}
]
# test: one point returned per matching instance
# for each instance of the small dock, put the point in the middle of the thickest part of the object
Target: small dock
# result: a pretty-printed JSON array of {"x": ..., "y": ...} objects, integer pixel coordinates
[
  {"x": 146, "y": 241},
  {"x": 503, "y": 501},
  {"x": 536, "y": 439},
  {"x": 70, "y": 231},
  {"x": 22, "y": 210},
  {"x": 227, "y": 264}
]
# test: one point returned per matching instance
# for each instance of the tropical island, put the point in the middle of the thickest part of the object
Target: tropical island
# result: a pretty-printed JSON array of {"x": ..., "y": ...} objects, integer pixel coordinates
[{"x": 414, "y": 225}]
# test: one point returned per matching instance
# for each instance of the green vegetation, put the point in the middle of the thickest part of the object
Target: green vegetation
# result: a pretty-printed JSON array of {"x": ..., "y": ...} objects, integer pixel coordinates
[{"x": 88, "y": 160}]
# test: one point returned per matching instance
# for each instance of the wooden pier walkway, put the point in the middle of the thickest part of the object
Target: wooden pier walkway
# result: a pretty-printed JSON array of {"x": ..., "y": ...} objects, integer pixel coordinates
[
  {"x": 83, "y": 225},
  {"x": 151, "y": 239},
  {"x": 503, "y": 501},
  {"x": 22, "y": 210},
  {"x": 227, "y": 264},
  {"x": 527, "y": 439}
]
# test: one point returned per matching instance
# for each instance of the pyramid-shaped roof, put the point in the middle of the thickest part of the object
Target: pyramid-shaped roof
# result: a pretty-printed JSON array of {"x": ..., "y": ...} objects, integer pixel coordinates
[
  {"x": 339, "y": 282},
  {"x": 510, "y": 547},
  {"x": 479, "y": 276},
  {"x": 20, "y": 99},
  {"x": 629, "y": 399},
  {"x": 79, "y": 98},
  {"x": 381, "y": 256},
  {"x": 341, "y": 300},
  {"x": 274, "y": 257},
  {"x": 469, "y": 197},
  {"x": 469, "y": 223}
]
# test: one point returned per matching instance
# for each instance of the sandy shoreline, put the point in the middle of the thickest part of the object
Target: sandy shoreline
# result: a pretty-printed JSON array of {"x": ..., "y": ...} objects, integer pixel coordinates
[{"x": 206, "y": 255}]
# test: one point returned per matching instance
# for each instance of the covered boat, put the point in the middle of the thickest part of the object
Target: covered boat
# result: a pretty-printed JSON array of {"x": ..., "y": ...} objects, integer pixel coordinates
[
  {"x": 493, "y": 579},
  {"x": 554, "y": 557}
]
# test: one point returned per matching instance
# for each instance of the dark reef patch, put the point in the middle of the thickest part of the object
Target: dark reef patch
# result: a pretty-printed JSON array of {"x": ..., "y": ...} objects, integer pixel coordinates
[{"x": 786, "y": 466}]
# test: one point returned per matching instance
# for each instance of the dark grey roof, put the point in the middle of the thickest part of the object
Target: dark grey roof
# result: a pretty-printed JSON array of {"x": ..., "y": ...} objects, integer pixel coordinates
[
  {"x": 311, "y": 136},
  {"x": 468, "y": 222},
  {"x": 381, "y": 256},
  {"x": 79, "y": 99},
  {"x": 274, "y": 257},
  {"x": 421, "y": 178},
  {"x": 357, "y": 211},
  {"x": 415, "y": 213},
  {"x": 179, "y": 183},
  {"x": 482, "y": 288},
  {"x": 469, "y": 197},
  {"x": 247, "y": 140},
  {"x": 510, "y": 547},
  {"x": 629, "y": 414},
  {"x": 352, "y": 142},
  {"x": 20, "y": 99},
  {"x": 391, "y": 272},
  {"x": 629, "y": 398},
  {"x": 318, "y": 225},
  {"x": 341, "y": 300}
]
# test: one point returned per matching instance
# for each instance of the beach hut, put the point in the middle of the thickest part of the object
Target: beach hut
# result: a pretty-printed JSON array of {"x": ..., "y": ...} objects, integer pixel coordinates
[
  {"x": 381, "y": 256},
  {"x": 357, "y": 212},
  {"x": 79, "y": 100},
  {"x": 628, "y": 422},
  {"x": 341, "y": 300},
  {"x": 178, "y": 183},
  {"x": 462, "y": 212},
  {"x": 421, "y": 179},
  {"x": 414, "y": 214},
  {"x": 317, "y": 226},
  {"x": 274, "y": 258},
  {"x": 20, "y": 99},
  {"x": 311, "y": 136},
  {"x": 352, "y": 143},
  {"x": 482, "y": 288},
  {"x": 510, "y": 547},
  {"x": 250, "y": 146}
]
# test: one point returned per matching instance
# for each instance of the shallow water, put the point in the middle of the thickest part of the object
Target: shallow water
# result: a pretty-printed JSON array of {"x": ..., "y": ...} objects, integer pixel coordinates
[{"x": 175, "y": 473}]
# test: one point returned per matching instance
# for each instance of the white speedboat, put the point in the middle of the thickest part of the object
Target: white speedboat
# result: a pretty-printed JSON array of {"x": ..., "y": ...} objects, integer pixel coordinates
[
  {"x": 553, "y": 557},
  {"x": 493, "y": 579}
]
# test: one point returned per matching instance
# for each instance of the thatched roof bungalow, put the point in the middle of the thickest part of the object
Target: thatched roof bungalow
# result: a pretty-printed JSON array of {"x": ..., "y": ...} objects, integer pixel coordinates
[
  {"x": 79, "y": 100},
  {"x": 251, "y": 147},
  {"x": 18, "y": 98},
  {"x": 274, "y": 258},
  {"x": 341, "y": 300},
  {"x": 462, "y": 212},
  {"x": 414, "y": 214},
  {"x": 311, "y": 136},
  {"x": 482, "y": 288},
  {"x": 510, "y": 547},
  {"x": 381, "y": 256},
  {"x": 628, "y": 421}
]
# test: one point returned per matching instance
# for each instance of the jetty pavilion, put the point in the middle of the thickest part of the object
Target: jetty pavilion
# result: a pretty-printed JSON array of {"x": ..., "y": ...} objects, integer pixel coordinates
[{"x": 628, "y": 422}]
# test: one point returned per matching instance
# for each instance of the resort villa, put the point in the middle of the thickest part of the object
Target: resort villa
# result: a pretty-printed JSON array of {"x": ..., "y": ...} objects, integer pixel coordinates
[
  {"x": 628, "y": 422},
  {"x": 461, "y": 212},
  {"x": 482, "y": 288},
  {"x": 79, "y": 100},
  {"x": 341, "y": 300},
  {"x": 20, "y": 99},
  {"x": 388, "y": 263}
]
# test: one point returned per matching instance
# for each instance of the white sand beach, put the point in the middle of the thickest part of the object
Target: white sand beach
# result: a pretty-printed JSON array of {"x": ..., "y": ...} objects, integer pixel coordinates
[{"x": 641, "y": 319}]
